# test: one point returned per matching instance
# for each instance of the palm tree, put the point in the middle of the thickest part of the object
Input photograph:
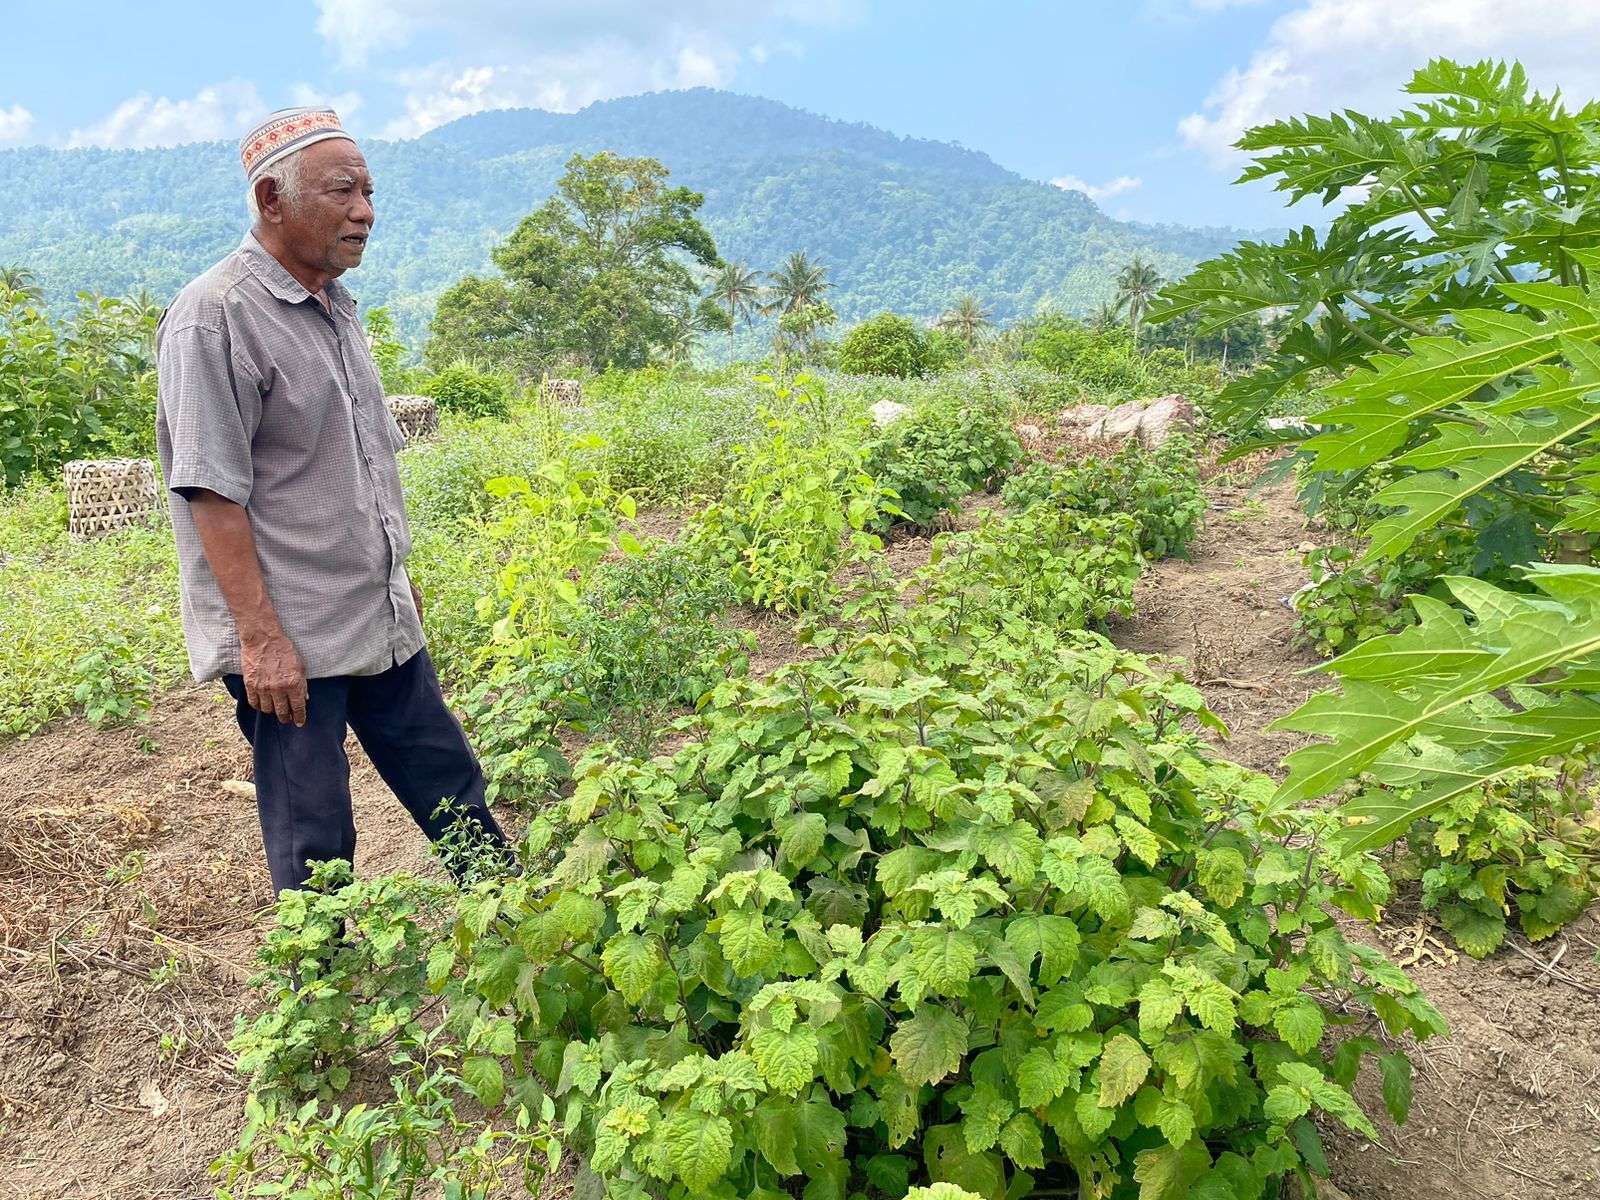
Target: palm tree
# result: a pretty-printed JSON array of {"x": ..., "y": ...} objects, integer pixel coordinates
[
  {"x": 1104, "y": 317},
  {"x": 800, "y": 282},
  {"x": 737, "y": 290},
  {"x": 1137, "y": 285},
  {"x": 22, "y": 281},
  {"x": 967, "y": 320}
]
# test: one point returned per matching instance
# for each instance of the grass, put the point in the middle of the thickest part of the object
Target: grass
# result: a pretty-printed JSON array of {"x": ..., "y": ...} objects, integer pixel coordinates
[
  {"x": 95, "y": 626},
  {"x": 81, "y": 621}
]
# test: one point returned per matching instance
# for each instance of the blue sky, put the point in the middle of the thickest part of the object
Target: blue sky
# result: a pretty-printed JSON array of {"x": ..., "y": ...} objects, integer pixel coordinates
[{"x": 1134, "y": 101}]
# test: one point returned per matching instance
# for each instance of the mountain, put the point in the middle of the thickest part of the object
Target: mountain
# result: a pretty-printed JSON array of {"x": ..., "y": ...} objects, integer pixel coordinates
[{"x": 901, "y": 223}]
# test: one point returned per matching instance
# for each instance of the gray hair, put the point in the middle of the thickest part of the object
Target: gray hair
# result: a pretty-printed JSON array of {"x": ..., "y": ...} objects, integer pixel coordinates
[{"x": 286, "y": 174}]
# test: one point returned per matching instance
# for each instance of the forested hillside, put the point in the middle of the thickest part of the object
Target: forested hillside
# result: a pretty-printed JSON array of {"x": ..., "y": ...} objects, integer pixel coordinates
[{"x": 901, "y": 223}]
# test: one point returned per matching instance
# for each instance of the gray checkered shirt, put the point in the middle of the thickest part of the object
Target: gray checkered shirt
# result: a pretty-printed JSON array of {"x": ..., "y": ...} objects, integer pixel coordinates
[{"x": 268, "y": 400}]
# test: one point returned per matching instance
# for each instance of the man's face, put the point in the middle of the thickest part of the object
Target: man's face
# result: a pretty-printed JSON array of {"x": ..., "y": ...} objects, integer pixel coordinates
[{"x": 327, "y": 227}]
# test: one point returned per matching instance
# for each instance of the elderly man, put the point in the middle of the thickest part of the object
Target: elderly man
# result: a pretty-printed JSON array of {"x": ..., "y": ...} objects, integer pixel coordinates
[{"x": 292, "y": 536}]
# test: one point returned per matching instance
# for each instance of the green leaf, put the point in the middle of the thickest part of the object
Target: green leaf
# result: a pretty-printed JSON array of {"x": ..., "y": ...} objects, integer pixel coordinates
[
  {"x": 1159, "y": 1007},
  {"x": 1423, "y": 683},
  {"x": 1300, "y": 1023},
  {"x": 777, "y": 1124},
  {"x": 633, "y": 962},
  {"x": 699, "y": 1147},
  {"x": 1123, "y": 1067},
  {"x": 1479, "y": 933},
  {"x": 1041, "y": 1077},
  {"x": 930, "y": 1045},
  {"x": 1221, "y": 873},
  {"x": 1396, "y": 1071},
  {"x": 1021, "y": 1141},
  {"x": 788, "y": 1059},
  {"x": 800, "y": 838},
  {"x": 746, "y": 942},
  {"x": 484, "y": 1078},
  {"x": 1053, "y": 940},
  {"x": 984, "y": 1112},
  {"x": 1013, "y": 850},
  {"x": 1141, "y": 843}
]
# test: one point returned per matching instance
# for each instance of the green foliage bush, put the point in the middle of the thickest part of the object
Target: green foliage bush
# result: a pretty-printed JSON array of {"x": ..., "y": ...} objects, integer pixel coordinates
[
  {"x": 1104, "y": 365},
  {"x": 962, "y": 902},
  {"x": 1343, "y": 605},
  {"x": 1527, "y": 844},
  {"x": 1054, "y": 566},
  {"x": 81, "y": 387},
  {"x": 901, "y": 916},
  {"x": 887, "y": 344},
  {"x": 666, "y": 439},
  {"x": 792, "y": 512},
  {"x": 941, "y": 450},
  {"x": 1160, "y": 489},
  {"x": 463, "y": 388},
  {"x": 83, "y": 625}
]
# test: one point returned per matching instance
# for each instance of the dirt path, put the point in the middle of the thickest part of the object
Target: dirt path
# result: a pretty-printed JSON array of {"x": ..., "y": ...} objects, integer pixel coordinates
[
  {"x": 114, "y": 1074},
  {"x": 115, "y": 1080},
  {"x": 1509, "y": 1104}
]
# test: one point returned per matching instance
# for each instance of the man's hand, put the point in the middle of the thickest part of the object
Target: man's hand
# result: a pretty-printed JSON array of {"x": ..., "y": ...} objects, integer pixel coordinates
[
  {"x": 416, "y": 598},
  {"x": 275, "y": 677}
]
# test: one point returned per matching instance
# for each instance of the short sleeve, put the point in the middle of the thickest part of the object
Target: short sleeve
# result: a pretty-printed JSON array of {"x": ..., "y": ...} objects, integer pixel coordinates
[{"x": 208, "y": 410}]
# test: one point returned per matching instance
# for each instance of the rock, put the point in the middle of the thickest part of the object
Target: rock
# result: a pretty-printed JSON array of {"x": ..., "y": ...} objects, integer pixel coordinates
[
  {"x": 886, "y": 412},
  {"x": 1030, "y": 435},
  {"x": 1296, "y": 423},
  {"x": 1121, "y": 423},
  {"x": 1164, "y": 417},
  {"x": 238, "y": 787},
  {"x": 1082, "y": 416},
  {"x": 55, "y": 1062}
]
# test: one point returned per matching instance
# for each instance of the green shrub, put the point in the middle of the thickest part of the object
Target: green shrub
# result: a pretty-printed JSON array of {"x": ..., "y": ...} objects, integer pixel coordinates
[
  {"x": 1160, "y": 489},
  {"x": 941, "y": 450},
  {"x": 81, "y": 387},
  {"x": 1057, "y": 567},
  {"x": 1343, "y": 605},
  {"x": 1527, "y": 844},
  {"x": 446, "y": 479},
  {"x": 906, "y": 919},
  {"x": 90, "y": 626},
  {"x": 887, "y": 344},
  {"x": 787, "y": 521},
  {"x": 666, "y": 440},
  {"x": 965, "y": 902},
  {"x": 647, "y": 638},
  {"x": 463, "y": 388}
]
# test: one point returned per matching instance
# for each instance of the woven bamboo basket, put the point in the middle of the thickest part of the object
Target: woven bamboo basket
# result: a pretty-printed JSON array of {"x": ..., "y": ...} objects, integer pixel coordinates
[
  {"x": 417, "y": 416},
  {"x": 107, "y": 494},
  {"x": 568, "y": 393}
]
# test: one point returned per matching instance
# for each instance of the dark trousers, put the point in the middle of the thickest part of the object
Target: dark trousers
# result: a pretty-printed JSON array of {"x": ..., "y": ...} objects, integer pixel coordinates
[{"x": 303, "y": 777}]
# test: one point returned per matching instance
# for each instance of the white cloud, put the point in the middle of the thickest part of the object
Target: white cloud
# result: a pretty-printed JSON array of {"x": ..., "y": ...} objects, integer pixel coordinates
[
  {"x": 558, "y": 83},
  {"x": 563, "y": 54},
  {"x": 1099, "y": 191},
  {"x": 346, "y": 104},
  {"x": 222, "y": 110},
  {"x": 1327, "y": 55},
  {"x": 16, "y": 123}
]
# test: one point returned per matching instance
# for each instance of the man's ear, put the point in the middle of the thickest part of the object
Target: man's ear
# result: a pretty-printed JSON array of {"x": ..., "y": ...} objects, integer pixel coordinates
[{"x": 268, "y": 201}]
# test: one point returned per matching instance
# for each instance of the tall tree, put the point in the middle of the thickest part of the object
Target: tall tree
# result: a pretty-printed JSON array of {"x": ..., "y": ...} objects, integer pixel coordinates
[
  {"x": 967, "y": 319},
  {"x": 22, "y": 281},
  {"x": 738, "y": 290},
  {"x": 1105, "y": 316},
  {"x": 1137, "y": 285},
  {"x": 798, "y": 284},
  {"x": 600, "y": 274}
]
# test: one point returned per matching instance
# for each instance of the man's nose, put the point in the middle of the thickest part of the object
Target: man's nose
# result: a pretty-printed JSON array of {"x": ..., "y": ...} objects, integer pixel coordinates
[{"x": 362, "y": 213}]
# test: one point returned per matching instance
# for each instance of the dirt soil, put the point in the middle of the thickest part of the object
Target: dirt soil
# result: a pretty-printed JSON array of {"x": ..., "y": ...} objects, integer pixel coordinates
[
  {"x": 132, "y": 898},
  {"x": 1508, "y": 1104}
]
